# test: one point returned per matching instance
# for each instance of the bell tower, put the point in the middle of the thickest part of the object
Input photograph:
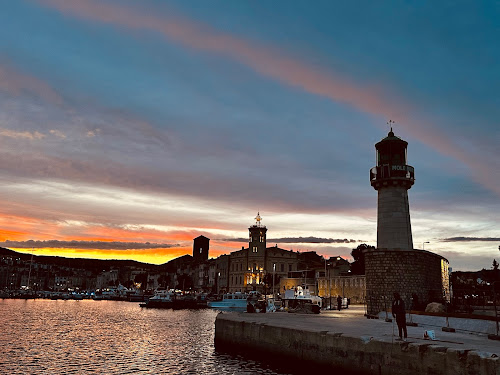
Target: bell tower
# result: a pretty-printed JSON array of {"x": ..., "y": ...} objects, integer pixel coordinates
[
  {"x": 392, "y": 178},
  {"x": 257, "y": 238}
]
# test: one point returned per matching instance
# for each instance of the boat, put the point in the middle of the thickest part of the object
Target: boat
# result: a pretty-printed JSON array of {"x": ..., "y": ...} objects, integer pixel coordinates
[
  {"x": 189, "y": 301},
  {"x": 162, "y": 298},
  {"x": 299, "y": 300},
  {"x": 236, "y": 301}
]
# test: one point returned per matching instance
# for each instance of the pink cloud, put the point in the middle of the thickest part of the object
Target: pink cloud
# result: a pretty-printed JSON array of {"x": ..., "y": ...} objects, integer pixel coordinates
[
  {"x": 267, "y": 61},
  {"x": 15, "y": 83},
  {"x": 21, "y": 134},
  {"x": 263, "y": 60}
]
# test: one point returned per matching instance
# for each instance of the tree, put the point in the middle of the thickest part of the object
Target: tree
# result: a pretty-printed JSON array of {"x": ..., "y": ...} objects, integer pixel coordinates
[
  {"x": 358, "y": 266},
  {"x": 496, "y": 271}
]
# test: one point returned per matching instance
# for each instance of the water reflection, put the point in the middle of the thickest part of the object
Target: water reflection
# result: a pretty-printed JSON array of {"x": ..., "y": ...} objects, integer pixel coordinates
[{"x": 111, "y": 337}]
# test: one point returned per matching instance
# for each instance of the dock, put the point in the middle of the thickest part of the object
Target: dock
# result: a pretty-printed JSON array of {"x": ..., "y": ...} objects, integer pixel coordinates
[{"x": 346, "y": 340}]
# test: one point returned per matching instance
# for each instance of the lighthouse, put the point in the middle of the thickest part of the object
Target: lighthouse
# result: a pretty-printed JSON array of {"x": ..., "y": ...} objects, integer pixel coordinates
[
  {"x": 392, "y": 177},
  {"x": 395, "y": 266}
]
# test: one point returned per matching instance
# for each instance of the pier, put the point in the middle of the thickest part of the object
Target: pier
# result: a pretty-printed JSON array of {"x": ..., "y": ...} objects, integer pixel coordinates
[{"x": 349, "y": 341}]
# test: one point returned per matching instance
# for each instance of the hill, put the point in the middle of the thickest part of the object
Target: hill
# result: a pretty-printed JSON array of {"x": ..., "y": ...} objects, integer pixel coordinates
[{"x": 95, "y": 265}]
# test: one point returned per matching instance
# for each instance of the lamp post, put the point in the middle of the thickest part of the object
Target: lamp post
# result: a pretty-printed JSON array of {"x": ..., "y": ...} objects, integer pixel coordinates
[
  {"x": 327, "y": 277},
  {"x": 423, "y": 244},
  {"x": 274, "y": 272}
]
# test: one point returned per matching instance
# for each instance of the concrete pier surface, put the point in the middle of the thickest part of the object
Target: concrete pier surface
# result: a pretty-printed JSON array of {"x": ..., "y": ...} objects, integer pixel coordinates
[{"x": 347, "y": 340}]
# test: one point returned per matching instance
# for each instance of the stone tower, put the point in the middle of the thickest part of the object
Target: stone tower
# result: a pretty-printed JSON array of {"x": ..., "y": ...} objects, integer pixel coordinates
[
  {"x": 201, "y": 246},
  {"x": 392, "y": 178},
  {"x": 395, "y": 266},
  {"x": 257, "y": 239}
]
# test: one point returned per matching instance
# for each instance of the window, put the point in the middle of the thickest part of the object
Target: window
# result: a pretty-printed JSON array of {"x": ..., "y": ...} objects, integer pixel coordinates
[
  {"x": 261, "y": 238},
  {"x": 289, "y": 267},
  {"x": 282, "y": 267},
  {"x": 254, "y": 249},
  {"x": 201, "y": 249},
  {"x": 254, "y": 266}
]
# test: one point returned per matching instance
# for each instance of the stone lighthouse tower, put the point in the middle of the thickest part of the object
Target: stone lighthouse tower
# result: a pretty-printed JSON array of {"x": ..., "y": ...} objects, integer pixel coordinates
[
  {"x": 392, "y": 177},
  {"x": 395, "y": 266}
]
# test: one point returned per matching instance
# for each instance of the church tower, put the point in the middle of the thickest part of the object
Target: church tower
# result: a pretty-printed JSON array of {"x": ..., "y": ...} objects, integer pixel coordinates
[
  {"x": 257, "y": 238},
  {"x": 392, "y": 178}
]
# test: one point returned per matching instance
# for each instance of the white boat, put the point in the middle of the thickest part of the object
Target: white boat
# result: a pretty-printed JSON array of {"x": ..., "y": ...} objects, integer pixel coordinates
[
  {"x": 300, "y": 300},
  {"x": 230, "y": 301},
  {"x": 162, "y": 298}
]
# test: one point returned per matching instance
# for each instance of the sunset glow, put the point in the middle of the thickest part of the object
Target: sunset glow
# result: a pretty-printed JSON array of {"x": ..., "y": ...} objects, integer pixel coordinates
[{"x": 151, "y": 123}]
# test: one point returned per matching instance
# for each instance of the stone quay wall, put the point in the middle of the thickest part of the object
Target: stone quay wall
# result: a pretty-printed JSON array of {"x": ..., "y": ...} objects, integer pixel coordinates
[
  {"x": 328, "y": 352},
  {"x": 419, "y": 276}
]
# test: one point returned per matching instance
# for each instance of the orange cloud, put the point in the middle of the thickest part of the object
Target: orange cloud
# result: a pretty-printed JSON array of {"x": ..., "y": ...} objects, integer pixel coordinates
[{"x": 12, "y": 234}]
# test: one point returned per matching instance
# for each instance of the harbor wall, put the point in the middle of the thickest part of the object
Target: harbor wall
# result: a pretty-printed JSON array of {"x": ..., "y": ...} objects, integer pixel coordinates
[{"x": 353, "y": 355}]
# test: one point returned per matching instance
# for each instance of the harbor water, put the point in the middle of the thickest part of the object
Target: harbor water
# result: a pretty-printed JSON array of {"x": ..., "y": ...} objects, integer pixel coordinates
[{"x": 111, "y": 337}]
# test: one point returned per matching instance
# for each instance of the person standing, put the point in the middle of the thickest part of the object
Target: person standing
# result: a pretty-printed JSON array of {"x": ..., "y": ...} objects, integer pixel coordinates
[
  {"x": 339, "y": 302},
  {"x": 399, "y": 312}
]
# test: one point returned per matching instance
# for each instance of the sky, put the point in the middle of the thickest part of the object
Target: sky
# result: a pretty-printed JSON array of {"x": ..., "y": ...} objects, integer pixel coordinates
[{"x": 129, "y": 128}]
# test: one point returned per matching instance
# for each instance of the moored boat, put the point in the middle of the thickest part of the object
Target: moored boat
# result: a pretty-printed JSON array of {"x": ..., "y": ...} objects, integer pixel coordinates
[
  {"x": 162, "y": 298},
  {"x": 301, "y": 301},
  {"x": 230, "y": 301}
]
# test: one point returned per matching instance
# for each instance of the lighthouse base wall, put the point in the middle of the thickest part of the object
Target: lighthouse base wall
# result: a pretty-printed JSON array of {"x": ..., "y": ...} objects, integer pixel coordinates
[{"x": 419, "y": 276}]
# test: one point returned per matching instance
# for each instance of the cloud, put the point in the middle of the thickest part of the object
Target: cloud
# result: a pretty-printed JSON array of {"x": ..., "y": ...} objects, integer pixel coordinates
[
  {"x": 471, "y": 239},
  {"x": 275, "y": 64},
  {"x": 200, "y": 36},
  {"x": 21, "y": 134},
  {"x": 93, "y": 133},
  {"x": 297, "y": 240},
  {"x": 57, "y": 133},
  {"x": 16, "y": 83},
  {"x": 97, "y": 245}
]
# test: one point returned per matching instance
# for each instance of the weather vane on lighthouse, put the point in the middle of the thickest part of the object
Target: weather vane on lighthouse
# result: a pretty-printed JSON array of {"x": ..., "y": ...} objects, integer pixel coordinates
[
  {"x": 390, "y": 123},
  {"x": 258, "y": 219}
]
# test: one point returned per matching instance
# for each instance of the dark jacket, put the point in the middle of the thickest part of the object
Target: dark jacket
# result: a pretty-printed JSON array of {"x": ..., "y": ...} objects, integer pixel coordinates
[{"x": 398, "y": 307}]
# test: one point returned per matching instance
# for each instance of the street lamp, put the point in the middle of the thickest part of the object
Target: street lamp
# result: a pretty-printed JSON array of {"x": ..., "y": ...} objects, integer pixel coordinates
[
  {"x": 327, "y": 272},
  {"x": 274, "y": 272},
  {"x": 423, "y": 244}
]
